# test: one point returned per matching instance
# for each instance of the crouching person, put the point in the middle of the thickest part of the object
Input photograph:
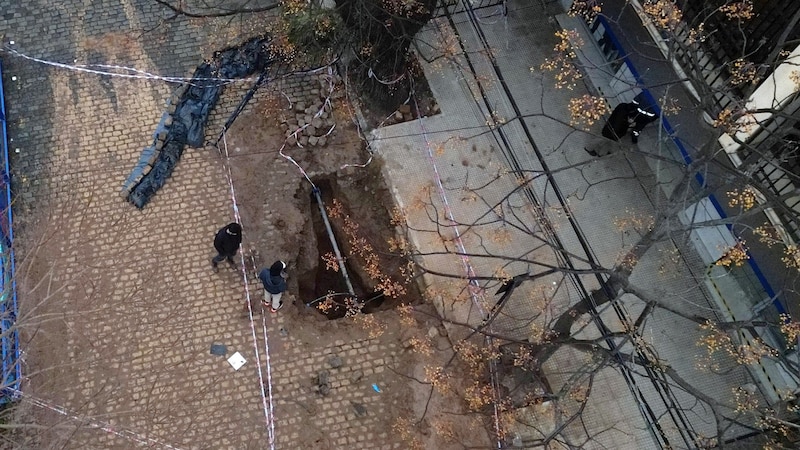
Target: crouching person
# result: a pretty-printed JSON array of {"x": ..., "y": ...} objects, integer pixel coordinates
[{"x": 274, "y": 281}]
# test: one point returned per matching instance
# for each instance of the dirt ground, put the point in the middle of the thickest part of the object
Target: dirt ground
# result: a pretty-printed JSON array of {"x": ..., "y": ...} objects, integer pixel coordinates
[{"x": 290, "y": 227}]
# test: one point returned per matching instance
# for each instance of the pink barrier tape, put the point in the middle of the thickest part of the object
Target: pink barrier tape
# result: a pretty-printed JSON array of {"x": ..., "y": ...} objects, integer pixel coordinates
[
  {"x": 119, "y": 431},
  {"x": 475, "y": 290},
  {"x": 265, "y": 387}
]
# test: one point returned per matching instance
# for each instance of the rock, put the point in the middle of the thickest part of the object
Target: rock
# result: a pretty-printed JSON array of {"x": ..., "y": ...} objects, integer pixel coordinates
[
  {"x": 443, "y": 344},
  {"x": 312, "y": 140},
  {"x": 303, "y": 140},
  {"x": 322, "y": 377},
  {"x": 324, "y": 390},
  {"x": 335, "y": 361},
  {"x": 356, "y": 376},
  {"x": 407, "y": 117},
  {"x": 322, "y": 141},
  {"x": 405, "y": 337},
  {"x": 311, "y": 130},
  {"x": 405, "y": 109},
  {"x": 291, "y": 141},
  {"x": 168, "y": 121},
  {"x": 180, "y": 90},
  {"x": 308, "y": 117},
  {"x": 360, "y": 409},
  {"x": 433, "y": 332},
  {"x": 300, "y": 107},
  {"x": 316, "y": 122},
  {"x": 398, "y": 116}
]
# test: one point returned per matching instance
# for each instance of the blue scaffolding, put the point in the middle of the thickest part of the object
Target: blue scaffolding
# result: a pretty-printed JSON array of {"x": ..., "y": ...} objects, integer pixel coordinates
[{"x": 9, "y": 335}]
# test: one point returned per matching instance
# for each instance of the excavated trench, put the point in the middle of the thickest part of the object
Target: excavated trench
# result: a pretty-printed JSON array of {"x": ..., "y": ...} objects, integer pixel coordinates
[{"x": 316, "y": 282}]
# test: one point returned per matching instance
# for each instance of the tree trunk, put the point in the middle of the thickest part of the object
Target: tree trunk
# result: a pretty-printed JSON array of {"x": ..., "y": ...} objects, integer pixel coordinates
[{"x": 382, "y": 34}]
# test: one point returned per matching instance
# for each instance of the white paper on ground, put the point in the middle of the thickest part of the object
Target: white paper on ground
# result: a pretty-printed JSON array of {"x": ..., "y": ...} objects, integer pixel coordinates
[{"x": 237, "y": 361}]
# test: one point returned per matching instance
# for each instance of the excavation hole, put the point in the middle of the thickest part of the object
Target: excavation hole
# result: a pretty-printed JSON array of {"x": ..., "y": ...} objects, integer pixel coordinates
[{"x": 325, "y": 289}]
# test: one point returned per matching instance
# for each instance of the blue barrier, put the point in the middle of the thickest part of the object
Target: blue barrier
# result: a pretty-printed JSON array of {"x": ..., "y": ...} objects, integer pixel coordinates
[
  {"x": 9, "y": 335},
  {"x": 686, "y": 156}
]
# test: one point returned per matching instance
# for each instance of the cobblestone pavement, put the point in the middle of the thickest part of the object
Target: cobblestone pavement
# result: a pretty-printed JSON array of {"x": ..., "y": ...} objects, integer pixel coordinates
[{"x": 120, "y": 306}]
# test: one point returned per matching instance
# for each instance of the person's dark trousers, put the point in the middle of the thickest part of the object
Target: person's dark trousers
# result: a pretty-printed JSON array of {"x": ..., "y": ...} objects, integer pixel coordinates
[{"x": 220, "y": 257}]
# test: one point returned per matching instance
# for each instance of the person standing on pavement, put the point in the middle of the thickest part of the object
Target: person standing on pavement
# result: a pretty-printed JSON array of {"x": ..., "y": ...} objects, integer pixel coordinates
[
  {"x": 274, "y": 281},
  {"x": 227, "y": 242}
]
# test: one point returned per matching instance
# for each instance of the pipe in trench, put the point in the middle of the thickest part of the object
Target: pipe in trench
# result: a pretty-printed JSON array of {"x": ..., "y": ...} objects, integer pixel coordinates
[{"x": 339, "y": 258}]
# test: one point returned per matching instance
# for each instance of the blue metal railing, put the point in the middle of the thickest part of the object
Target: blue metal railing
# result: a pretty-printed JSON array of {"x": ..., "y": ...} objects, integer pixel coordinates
[
  {"x": 9, "y": 335},
  {"x": 687, "y": 157}
]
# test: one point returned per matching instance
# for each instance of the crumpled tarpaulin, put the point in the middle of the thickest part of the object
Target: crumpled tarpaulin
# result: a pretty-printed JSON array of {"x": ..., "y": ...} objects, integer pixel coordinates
[{"x": 187, "y": 113}]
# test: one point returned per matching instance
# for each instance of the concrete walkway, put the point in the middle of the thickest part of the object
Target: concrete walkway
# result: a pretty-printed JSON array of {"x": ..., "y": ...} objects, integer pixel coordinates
[{"x": 459, "y": 166}]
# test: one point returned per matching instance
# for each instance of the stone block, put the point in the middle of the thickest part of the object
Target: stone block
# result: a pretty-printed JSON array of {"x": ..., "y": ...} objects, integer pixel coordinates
[
  {"x": 180, "y": 90},
  {"x": 312, "y": 140},
  {"x": 405, "y": 109},
  {"x": 311, "y": 130}
]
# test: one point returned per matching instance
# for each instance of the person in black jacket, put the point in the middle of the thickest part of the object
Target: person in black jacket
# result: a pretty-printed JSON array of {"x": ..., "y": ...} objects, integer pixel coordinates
[
  {"x": 621, "y": 119},
  {"x": 274, "y": 281},
  {"x": 633, "y": 116},
  {"x": 227, "y": 243},
  {"x": 645, "y": 113}
]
